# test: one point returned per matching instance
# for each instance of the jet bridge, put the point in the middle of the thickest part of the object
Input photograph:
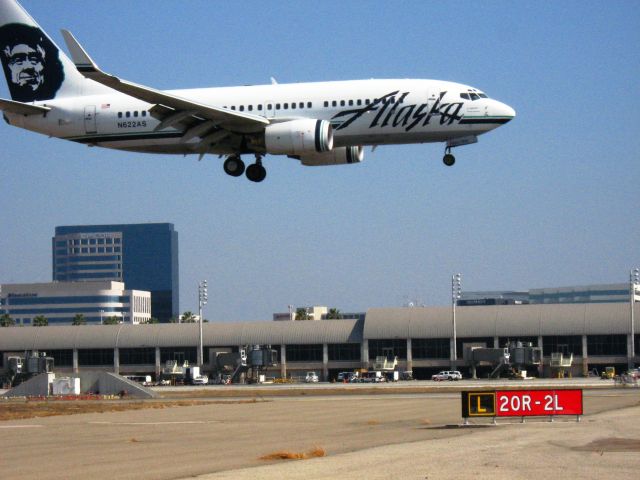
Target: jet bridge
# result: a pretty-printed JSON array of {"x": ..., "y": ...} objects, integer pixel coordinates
[
  {"x": 512, "y": 358},
  {"x": 244, "y": 365}
]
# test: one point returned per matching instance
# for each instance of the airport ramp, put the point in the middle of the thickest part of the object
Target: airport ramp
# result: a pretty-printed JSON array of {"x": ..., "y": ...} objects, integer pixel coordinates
[{"x": 99, "y": 383}]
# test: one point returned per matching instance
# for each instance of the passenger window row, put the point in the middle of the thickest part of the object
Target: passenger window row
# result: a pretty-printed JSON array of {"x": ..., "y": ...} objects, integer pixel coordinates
[
  {"x": 134, "y": 114},
  {"x": 278, "y": 106}
]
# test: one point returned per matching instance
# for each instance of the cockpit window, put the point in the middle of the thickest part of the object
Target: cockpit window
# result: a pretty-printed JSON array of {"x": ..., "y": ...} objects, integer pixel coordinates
[{"x": 473, "y": 95}]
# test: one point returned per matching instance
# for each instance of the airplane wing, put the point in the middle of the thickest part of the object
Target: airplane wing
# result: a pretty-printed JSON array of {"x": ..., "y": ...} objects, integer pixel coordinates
[
  {"x": 171, "y": 108},
  {"x": 20, "y": 108}
]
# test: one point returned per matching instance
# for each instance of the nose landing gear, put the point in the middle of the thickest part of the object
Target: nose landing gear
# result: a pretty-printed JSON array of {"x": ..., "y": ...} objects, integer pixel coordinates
[{"x": 448, "y": 158}]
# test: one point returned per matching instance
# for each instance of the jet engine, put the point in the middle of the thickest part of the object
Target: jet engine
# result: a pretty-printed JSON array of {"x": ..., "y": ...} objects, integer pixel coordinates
[
  {"x": 299, "y": 137},
  {"x": 337, "y": 156}
]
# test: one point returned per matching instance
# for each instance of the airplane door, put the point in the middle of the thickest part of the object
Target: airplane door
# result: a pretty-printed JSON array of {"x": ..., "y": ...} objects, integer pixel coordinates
[
  {"x": 90, "y": 119},
  {"x": 270, "y": 109}
]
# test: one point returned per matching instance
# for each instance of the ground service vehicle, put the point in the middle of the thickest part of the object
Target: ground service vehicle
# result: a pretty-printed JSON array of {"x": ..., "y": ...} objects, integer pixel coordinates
[
  {"x": 447, "y": 375},
  {"x": 609, "y": 373},
  {"x": 312, "y": 377}
]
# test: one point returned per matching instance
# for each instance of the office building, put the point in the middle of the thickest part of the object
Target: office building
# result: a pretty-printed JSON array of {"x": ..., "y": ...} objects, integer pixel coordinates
[
  {"x": 605, "y": 293},
  {"x": 143, "y": 256},
  {"x": 60, "y": 302}
]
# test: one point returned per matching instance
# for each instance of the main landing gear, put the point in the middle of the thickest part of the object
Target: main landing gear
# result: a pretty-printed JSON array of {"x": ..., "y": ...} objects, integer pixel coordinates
[
  {"x": 255, "y": 172},
  {"x": 448, "y": 158}
]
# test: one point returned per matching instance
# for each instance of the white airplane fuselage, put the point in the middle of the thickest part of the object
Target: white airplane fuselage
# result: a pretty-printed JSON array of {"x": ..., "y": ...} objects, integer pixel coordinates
[{"x": 362, "y": 112}]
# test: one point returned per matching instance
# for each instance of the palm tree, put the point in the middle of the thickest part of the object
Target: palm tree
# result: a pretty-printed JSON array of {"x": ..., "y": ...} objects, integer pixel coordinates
[
  {"x": 113, "y": 320},
  {"x": 334, "y": 314},
  {"x": 188, "y": 317},
  {"x": 79, "y": 320},
  {"x": 6, "y": 320},
  {"x": 302, "y": 314},
  {"x": 40, "y": 321}
]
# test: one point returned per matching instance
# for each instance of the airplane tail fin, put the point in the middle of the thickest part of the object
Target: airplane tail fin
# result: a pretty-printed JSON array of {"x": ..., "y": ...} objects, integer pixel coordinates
[{"x": 35, "y": 68}]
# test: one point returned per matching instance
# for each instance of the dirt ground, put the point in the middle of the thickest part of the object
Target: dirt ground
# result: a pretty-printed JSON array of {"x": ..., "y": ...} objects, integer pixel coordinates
[{"x": 413, "y": 436}]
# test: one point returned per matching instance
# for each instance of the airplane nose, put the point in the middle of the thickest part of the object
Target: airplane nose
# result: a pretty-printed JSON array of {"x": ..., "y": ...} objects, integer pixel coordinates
[{"x": 504, "y": 111}]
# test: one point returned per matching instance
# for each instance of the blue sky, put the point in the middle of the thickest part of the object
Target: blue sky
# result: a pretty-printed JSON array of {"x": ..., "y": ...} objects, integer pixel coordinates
[{"x": 551, "y": 199}]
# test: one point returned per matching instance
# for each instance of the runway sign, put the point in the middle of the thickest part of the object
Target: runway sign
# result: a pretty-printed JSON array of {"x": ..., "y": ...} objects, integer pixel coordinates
[{"x": 521, "y": 403}]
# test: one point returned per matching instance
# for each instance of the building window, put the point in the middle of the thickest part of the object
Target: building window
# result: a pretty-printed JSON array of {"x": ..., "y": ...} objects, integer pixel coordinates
[
  {"x": 525, "y": 341},
  {"x": 603, "y": 345},
  {"x": 95, "y": 357},
  {"x": 430, "y": 348},
  {"x": 565, "y": 344},
  {"x": 179, "y": 354},
  {"x": 388, "y": 348},
  {"x": 138, "y": 356},
  {"x": 304, "y": 353},
  {"x": 61, "y": 358},
  {"x": 344, "y": 352}
]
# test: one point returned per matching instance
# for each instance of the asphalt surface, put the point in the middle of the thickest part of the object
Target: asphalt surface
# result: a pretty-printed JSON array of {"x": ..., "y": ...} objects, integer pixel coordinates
[{"x": 364, "y": 435}]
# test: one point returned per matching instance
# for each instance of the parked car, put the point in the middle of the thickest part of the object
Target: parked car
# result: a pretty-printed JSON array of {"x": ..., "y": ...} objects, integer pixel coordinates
[
  {"x": 312, "y": 377},
  {"x": 201, "y": 380},
  {"x": 447, "y": 375}
]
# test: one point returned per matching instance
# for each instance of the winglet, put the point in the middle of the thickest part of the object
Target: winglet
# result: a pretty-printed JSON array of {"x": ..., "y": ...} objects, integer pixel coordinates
[{"x": 80, "y": 57}]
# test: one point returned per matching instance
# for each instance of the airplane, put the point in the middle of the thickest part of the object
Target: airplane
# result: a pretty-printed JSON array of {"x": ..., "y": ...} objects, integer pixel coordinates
[{"x": 317, "y": 123}]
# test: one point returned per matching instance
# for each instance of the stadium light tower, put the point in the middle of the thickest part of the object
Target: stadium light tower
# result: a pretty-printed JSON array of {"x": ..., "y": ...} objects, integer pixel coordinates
[
  {"x": 634, "y": 284},
  {"x": 456, "y": 292},
  {"x": 202, "y": 301}
]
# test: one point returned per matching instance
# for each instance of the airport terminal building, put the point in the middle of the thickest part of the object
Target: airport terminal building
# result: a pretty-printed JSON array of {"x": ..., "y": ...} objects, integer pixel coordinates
[{"x": 595, "y": 334}]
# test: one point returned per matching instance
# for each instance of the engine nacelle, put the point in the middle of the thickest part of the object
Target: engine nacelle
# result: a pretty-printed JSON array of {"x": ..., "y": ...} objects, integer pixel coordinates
[
  {"x": 337, "y": 156},
  {"x": 299, "y": 137}
]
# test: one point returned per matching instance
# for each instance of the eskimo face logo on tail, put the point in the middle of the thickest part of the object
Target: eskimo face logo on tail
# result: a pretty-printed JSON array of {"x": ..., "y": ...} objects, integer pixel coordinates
[{"x": 31, "y": 63}]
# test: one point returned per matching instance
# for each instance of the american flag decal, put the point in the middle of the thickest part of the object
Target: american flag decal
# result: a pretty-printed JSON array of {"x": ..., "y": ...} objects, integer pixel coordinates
[{"x": 106, "y": 105}]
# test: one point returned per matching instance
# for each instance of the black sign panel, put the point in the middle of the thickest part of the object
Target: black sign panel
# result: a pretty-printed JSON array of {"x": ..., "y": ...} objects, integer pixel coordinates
[{"x": 478, "y": 404}]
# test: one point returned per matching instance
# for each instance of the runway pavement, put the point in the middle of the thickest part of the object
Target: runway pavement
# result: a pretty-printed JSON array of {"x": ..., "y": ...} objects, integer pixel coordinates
[{"x": 364, "y": 436}]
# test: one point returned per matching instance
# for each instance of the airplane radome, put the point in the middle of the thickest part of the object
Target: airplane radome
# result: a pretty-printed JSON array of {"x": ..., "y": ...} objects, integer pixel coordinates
[{"x": 324, "y": 123}]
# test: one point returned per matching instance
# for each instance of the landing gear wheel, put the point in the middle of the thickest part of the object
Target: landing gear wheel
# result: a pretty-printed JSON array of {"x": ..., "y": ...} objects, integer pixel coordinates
[
  {"x": 449, "y": 159},
  {"x": 234, "y": 166},
  {"x": 256, "y": 172}
]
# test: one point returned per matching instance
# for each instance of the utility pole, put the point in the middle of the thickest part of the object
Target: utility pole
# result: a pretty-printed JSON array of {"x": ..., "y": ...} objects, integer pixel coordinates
[
  {"x": 202, "y": 301},
  {"x": 634, "y": 280},
  {"x": 456, "y": 291}
]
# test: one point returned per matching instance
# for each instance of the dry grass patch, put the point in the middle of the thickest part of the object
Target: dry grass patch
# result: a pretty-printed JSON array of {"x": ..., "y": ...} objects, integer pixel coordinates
[
  {"x": 22, "y": 409},
  {"x": 286, "y": 455}
]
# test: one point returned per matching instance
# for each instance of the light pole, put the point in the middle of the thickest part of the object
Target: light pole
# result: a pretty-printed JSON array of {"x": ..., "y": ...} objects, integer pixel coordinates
[
  {"x": 634, "y": 281},
  {"x": 456, "y": 291},
  {"x": 202, "y": 301}
]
